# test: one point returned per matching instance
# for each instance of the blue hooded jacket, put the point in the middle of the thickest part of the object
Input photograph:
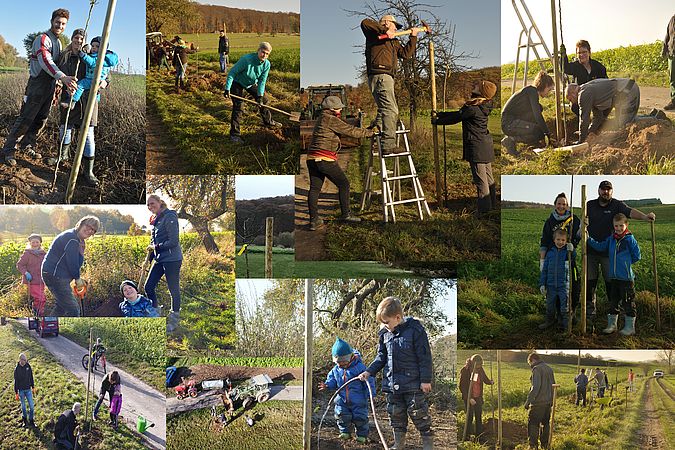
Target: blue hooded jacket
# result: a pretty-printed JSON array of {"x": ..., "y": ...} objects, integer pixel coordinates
[
  {"x": 356, "y": 394},
  {"x": 63, "y": 259},
  {"x": 141, "y": 307},
  {"x": 405, "y": 356},
  {"x": 622, "y": 252},
  {"x": 165, "y": 237},
  {"x": 555, "y": 274}
]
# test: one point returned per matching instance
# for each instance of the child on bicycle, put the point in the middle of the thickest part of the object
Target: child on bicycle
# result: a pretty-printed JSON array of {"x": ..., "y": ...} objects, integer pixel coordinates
[
  {"x": 30, "y": 266},
  {"x": 135, "y": 304},
  {"x": 98, "y": 349}
]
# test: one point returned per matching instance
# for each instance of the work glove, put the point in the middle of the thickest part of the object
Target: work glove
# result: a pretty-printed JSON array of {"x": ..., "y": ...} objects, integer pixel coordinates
[
  {"x": 226, "y": 94},
  {"x": 570, "y": 247},
  {"x": 542, "y": 289},
  {"x": 376, "y": 130},
  {"x": 28, "y": 276},
  {"x": 259, "y": 99},
  {"x": 80, "y": 283},
  {"x": 541, "y": 265},
  {"x": 472, "y": 402},
  {"x": 16, "y": 395},
  {"x": 85, "y": 48},
  {"x": 434, "y": 118}
]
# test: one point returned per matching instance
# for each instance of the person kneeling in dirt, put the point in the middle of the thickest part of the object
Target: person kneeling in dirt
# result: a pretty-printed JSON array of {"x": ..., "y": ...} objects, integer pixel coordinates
[
  {"x": 539, "y": 401},
  {"x": 600, "y": 97},
  {"x": 24, "y": 387},
  {"x": 249, "y": 74},
  {"x": 472, "y": 391},
  {"x": 476, "y": 140},
  {"x": 405, "y": 355},
  {"x": 522, "y": 119},
  {"x": 107, "y": 386},
  {"x": 554, "y": 280},
  {"x": 351, "y": 407},
  {"x": 135, "y": 304},
  {"x": 67, "y": 428},
  {"x": 322, "y": 159},
  {"x": 29, "y": 265}
]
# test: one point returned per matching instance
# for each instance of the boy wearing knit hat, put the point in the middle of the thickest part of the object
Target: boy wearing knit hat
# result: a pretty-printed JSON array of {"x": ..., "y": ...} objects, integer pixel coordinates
[
  {"x": 135, "y": 304},
  {"x": 351, "y": 407}
]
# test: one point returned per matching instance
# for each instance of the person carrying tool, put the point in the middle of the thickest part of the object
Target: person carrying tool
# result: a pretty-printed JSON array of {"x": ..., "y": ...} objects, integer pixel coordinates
[
  {"x": 135, "y": 304},
  {"x": 180, "y": 61},
  {"x": 67, "y": 428},
  {"x": 404, "y": 353},
  {"x": 351, "y": 407},
  {"x": 584, "y": 69},
  {"x": 554, "y": 280},
  {"x": 44, "y": 74},
  {"x": 600, "y": 97},
  {"x": 322, "y": 159},
  {"x": 63, "y": 263},
  {"x": 381, "y": 60},
  {"x": 522, "y": 119},
  {"x": 581, "y": 380},
  {"x": 249, "y": 74},
  {"x": 474, "y": 398},
  {"x": 24, "y": 387},
  {"x": 668, "y": 52},
  {"x": 29, "y": 265},
  {"x": 539, "y": 401},
  {"x": 107, "y": 386},
  {"x": 477, "y": 143},
  {"x": 223, "y": 51},
  {"x": 623, "y": 251}
]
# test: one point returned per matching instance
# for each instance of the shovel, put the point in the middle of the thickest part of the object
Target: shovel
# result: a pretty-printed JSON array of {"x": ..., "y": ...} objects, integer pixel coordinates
[
  {"x": 80, "y": 293},
  {"x": 293, "y": 116}
]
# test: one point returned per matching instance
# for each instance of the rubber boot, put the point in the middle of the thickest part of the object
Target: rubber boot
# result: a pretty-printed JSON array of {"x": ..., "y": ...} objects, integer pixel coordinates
[
  {"x": 510, "y": 145},
  {"x": 612, "y": 319},
  {"x": 427, "y": 442},
  {"x": 63, "y": 156},
  {"x": 172, "y": 321},
  {"x": 399, "y": 441},
  {"x": 24, "y": 422},
  {"x": 89, "y": 171},
  {"x": 629, "y": 327}
]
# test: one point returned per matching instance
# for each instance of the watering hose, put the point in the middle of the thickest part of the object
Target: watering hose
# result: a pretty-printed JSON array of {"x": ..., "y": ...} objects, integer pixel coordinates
[{"x": 372, "y": 407}]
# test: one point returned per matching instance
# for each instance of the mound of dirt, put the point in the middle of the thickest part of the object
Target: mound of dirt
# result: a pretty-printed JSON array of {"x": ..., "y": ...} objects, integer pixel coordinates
[
  {"x": 213, "y": 372},
  {"x": 210, "y": 81},
  {"x": 512, "y": 433}
]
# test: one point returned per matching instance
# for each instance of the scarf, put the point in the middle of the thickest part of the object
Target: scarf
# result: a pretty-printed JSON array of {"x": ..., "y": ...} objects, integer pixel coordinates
[
  {"x": 620, "y": 236},
  {"x": 561, "y": 217}
]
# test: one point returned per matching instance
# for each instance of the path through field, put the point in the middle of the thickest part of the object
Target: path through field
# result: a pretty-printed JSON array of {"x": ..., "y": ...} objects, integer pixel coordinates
[
  {"x": 138, "y": 397},
  {"x": 162, "y": 157},
  {"x": 651, "y": 434}
]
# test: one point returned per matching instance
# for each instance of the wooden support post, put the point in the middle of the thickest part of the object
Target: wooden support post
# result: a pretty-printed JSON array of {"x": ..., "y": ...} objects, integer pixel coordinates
[
  {"x": 474, "y": 374},
  {"x": 556, "y": 74},
  {"x": 307, "y": 382},
  {"x": 584, "y": 259},
  {"x": 437, "y": 158},
  {"x": 499, "y": 400},
  {"x": 269, "y": 243},
  {"x": 550, "y": 433},
  {"x": 656, "y": 280},
  {"x": 89, "y": 369}
]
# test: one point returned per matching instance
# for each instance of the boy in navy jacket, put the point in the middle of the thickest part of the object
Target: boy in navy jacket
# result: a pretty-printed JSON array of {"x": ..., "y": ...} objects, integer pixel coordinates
[{"x": 554, "y": 280}]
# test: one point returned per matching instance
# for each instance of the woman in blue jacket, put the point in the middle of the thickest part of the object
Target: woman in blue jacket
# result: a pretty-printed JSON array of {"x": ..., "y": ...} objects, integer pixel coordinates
[
  {"x": 165, "y": 249},
  {"x": 63, "y": 262}
]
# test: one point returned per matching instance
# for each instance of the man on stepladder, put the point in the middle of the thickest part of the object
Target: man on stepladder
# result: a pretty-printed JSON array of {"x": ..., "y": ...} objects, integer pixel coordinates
[{"x": 381, "y": 61}]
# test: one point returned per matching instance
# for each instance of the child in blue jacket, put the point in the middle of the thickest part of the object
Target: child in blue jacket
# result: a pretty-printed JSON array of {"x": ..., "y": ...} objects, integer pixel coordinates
[
  {"x": 554, "y": 280},
  {"x": 90, "y": 59},
  {"x": 623, "y": 252},
  {"x": 351, "y": 407},
  {"x": 135, "y": 304}
]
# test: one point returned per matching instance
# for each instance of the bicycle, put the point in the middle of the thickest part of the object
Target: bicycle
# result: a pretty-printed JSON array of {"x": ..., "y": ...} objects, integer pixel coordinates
[{"x": 96, "y": 356}]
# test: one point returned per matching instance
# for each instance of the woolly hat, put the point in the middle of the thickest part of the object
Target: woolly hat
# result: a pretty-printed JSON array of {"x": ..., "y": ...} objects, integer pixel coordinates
[
  {"x": 487, "y": 89},
  {"x": 127, "y": 283},
  {"x": 341, "y": 351},
  {"x": 78, "y": 32},
  {"x": 34, "y": 236},
  {"x": 332, "y": 102},
  {"x": 96, "y": 39}
]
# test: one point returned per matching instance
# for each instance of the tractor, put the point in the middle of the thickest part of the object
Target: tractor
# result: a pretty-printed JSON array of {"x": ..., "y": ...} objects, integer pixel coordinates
[
  {"x": 312, "y": 111},
  {"x": 255, "y": 389}
]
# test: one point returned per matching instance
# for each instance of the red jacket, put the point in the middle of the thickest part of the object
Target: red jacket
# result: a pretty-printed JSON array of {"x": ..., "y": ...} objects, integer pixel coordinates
[{"x": 31, "y": 262}]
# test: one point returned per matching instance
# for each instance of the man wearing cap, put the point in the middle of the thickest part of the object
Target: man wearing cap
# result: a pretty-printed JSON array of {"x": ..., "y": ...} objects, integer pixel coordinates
[
  {"x": 44, "y": 73},
  {"x": 600, "y": 213},
  {"x": 322, "y": 159},
  {"x": 600, "y": 96},
  {"x": 249, "y": 74},
  {"x": 381, "y": 62}
]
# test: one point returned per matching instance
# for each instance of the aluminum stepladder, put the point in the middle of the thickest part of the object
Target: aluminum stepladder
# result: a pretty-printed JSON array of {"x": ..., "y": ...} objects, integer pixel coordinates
[
  {"x": 529, "y": 44},
  {"x": 391, "y": 179}
]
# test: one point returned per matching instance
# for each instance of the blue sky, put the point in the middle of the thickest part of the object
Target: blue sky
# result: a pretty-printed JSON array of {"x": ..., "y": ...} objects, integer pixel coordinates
[
  {"x": 329, "y": 35},
  {"x": 249, "y": 187},
  {"x": 260, "y": 5},
  {"x": 544, "y": 188},
  {"x": 127, "y": 35}
]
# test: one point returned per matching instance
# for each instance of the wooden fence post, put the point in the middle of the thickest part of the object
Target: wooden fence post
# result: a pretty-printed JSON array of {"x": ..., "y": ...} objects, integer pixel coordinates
[{"x": 269, "y": 242}]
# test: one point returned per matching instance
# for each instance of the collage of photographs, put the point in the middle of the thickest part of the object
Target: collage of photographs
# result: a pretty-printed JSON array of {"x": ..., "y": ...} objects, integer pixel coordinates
[{"x": 337, "y": 225}]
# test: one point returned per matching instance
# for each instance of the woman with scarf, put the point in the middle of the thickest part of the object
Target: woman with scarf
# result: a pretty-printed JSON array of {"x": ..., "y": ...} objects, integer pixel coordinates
[
  {"x": 63, "y": 262},
  {"x": 165, "y": 250}
]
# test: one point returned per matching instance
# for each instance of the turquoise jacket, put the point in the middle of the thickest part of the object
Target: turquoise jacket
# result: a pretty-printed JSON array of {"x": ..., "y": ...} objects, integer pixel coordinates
[{"x": 248, "y": 71}]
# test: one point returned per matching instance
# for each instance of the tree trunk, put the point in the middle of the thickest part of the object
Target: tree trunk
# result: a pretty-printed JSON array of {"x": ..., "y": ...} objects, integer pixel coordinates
[{"x": 201, "y": 226}]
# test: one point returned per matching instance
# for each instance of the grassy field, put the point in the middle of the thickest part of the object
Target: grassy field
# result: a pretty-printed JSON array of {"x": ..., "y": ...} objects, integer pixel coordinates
[
  {"x": 57, "y": 390},
  {"x": 198, "y": 121},
  {"x": 500, "y": 303},
  {"x": 136, "y": 345},
  {"x": 575, "y": 428}
]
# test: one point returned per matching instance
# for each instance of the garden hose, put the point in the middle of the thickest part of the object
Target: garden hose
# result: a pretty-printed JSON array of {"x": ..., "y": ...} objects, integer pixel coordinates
[{"x": 372, "y": 407}]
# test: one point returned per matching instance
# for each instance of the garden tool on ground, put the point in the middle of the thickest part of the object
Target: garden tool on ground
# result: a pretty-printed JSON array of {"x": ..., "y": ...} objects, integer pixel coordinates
[
  {"x": 141, "y": 273},
  {"x": 292, "y": 116},
  {"x": 423, "y": 29}
]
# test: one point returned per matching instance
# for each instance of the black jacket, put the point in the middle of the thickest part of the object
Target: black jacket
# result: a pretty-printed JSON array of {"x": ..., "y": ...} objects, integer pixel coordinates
[
  {"x": 165, "y": 237},
  {"x": 524, "y": 105},
  {"x": 553, "y": 224},
  {"x": 64, "y": 430},
  {"x": 382, "y": 55},
  {"x": 579, "y": 73},
  {"x": 23, "y": 377},
  {"x": 223, "y": 45},
  {"x": 476, "y": 139}
]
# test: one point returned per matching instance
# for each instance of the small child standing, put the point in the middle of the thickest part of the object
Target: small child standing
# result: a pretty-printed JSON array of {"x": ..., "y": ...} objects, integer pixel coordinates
[
  {"x": 623, "y": 252},
  {"x": 116, "y": 406},
  {"x": 90, "y": 59},
  {"x": 405, "y": 355},
  {"x": 30, "y": 266},
  {"x": 135, "y": 304},
  {"x": 351, "y": 407},
  {"x": 554, "y": 280}
]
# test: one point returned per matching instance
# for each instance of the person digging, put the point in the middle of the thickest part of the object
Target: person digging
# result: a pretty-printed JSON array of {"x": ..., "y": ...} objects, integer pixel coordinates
[{"x": 180, "y": 62}]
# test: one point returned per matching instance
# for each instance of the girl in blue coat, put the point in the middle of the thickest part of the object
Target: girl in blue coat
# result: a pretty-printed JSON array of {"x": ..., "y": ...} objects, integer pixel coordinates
[
  {"x": 351, "y": 407},
  {"x": 623, "y": 252}
]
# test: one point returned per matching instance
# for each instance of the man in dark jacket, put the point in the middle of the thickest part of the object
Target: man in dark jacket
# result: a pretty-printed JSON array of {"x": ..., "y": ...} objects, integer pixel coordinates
[
  {"x": 23, "y": 389},
  {"x": 223, "y": 51},
  {"x": 476, "y": 140},
  {"x": 669, "y": 53},
  {"x": 539, "y": 401},
  {"x": 584, "y": 69},
  {"x": 381, "y": 61},
  {"x": 180, "y": 61},
  {"x": 581, "y": 381},
  {"x": 66, "y": 428}
]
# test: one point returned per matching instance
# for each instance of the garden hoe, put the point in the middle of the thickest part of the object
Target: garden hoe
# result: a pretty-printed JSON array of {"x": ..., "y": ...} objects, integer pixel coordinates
[
  {"x": 292, "y": 116},
  {"x": 423, "y": 29}
]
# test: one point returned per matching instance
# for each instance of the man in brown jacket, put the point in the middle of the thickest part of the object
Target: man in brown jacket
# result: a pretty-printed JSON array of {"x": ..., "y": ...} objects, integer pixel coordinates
[{"x": 381, "y": 61}]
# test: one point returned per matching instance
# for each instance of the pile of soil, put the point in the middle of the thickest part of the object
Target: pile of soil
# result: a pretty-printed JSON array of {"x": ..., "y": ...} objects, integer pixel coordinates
[
  {"x": 512, "y": 433},
  {"x": 203, "y": 372}
]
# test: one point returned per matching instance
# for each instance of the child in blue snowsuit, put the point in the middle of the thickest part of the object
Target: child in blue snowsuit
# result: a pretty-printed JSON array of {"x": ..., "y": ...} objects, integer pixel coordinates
[
  {"x": 554, "y": 280},
  {"x": 623, "y": 252},
  {"x": 111, "y": 60},
  {"x": 135, "y": 304},
  {"x": 351, "y": 407}
]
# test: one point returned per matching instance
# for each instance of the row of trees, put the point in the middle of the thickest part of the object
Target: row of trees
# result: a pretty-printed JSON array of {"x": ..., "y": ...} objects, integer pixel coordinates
[
  {"x": 9, "y": 56},
  {"x": 251, "y": 216}
]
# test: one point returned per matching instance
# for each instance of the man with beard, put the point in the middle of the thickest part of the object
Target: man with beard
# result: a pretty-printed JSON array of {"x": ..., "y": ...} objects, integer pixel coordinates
[{"x": 600, "y": 214}]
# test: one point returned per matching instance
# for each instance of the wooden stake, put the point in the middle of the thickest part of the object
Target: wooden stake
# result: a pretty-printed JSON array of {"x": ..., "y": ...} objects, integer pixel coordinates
[
  {"x": 550, "y": 433},
  {"x": 269, "y": 243},
  {"x": 468, "y": 402},
  {"x": 307, "y": 383},
  {"x": 584, "y": 259},
  {"x": 91, "y": 363},
  {"x": 437, "y": 159},
  {"x": 556, "y": 73},
  {"x": 656, "y": 280},
  {"x": 499, "y": 399}
]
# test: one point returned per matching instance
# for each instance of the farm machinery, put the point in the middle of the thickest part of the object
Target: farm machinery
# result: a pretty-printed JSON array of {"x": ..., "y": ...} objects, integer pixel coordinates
[
  {"x": 255, "y": 389},
  {"x": 187, "y": 388}
]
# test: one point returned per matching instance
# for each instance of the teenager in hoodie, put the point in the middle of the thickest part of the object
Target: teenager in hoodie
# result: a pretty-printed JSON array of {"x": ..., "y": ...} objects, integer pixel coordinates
[
  {"x": 29, "y": 265},
  {"x": 351, "y": 407},
  {"x": 476, "y": 140}
]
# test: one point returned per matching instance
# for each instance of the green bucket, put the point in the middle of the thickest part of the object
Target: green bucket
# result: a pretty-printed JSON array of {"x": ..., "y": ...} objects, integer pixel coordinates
[{"x": 141, "y": 424}]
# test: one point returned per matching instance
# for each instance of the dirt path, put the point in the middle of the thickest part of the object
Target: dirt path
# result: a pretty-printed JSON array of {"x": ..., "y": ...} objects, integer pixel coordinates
[
  {"x": 162, "y": 157},
  {"x": 138, "y": 397},
  {"x": 650, "y": 434},
  {"x": 665, "y": 388},
  {"x": 211, "y": 398},
  {"x": 655, "y": 97}
]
